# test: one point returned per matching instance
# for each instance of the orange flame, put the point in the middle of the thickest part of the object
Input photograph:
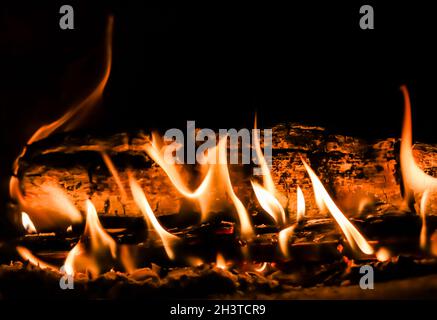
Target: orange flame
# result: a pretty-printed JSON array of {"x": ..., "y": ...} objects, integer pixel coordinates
[
  {"x": 283, "y": 238},
  {"x": 423, "y": 231},
  {"x": 353, "y": 236},
  {"x": 167, "y": 238},
  {"x": 221, "y": 262},
  {"x": 414, "y": 179},
  {"x": 269, "y": 203},
  {"x": 267, "y": 194},
  {"x": 111, "y": 167},
  {"x": 27, "y": 255},
  {"x": 300, "y": 205},
  {"x": 94, "y": 248},
  {"x": 215, "y": 189},
  {"x": 27, "y": 223},
  {"x": 51, "y": 207},
  {"x": 66, "y": 121}
]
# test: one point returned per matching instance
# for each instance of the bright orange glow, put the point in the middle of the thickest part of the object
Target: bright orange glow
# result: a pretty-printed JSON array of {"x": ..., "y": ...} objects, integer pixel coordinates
[
  {"x": 27, "y": 255},
  {"x": 261, "y": 268},
  {"x": 283, "y": 238},
  {"x": 49, "y": 208},
  {"x": 168, "y": 240},
  {"x": 423, "y": 232},
  {"x": 269, "y": 203},
  {"x": 27, "y": 223},
  {"x": 114, "y": 172},
  {"x": 353, "y": 236},
  {"x": 94, "y": 249},
  {"x": 221, "y": 262},
  {"x": 414, "y": 179},
  {"x": 300, "y": 205},
  {"x": 383, "y": 254}
]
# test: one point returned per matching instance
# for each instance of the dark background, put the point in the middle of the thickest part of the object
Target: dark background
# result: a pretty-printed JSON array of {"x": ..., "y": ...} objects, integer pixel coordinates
[{"x": 307, "y": 62}]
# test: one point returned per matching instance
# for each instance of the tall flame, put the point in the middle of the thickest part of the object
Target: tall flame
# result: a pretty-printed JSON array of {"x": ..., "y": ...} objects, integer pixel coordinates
[
  {"x": 414, "y": 179},
  {"x": 267, "y": 194},
  {"x": 27, "y": 223},
  {"x": 167, "y": 238},
  {"x": 67, "y": 121},
  {"x": 94, "y": 249},
  {"x": 353, "y": 236}
]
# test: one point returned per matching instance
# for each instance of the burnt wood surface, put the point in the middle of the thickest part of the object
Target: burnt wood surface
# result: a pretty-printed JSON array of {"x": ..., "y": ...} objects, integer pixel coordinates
[{"x": 362, "y": 176}]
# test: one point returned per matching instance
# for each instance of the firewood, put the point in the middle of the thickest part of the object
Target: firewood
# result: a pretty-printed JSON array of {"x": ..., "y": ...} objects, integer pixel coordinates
[{"x": 352, "y": 169}]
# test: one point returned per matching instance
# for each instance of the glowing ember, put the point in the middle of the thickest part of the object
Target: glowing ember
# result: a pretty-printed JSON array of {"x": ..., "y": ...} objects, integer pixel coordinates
[
  {"x": 414, "y": 179},
  {"x": 168, "y": 240},
  {"x": 283, "y": 238},
  {"x": 221, "y": 262},
  {"x": 383, "y": 254},
  {"x": 27, "y": 223},
  {"x": 353, "y": 236}
]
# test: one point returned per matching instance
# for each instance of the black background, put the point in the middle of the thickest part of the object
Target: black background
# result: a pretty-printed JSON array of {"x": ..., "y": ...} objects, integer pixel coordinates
[{"x": 306, "y": 62}]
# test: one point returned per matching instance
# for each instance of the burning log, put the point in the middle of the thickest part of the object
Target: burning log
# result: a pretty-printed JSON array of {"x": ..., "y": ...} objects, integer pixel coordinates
[{"x": 362, "y": 176}]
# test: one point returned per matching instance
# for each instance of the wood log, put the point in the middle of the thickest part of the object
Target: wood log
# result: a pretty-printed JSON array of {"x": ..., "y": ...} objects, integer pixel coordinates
[{"x": 353, "y": 171}]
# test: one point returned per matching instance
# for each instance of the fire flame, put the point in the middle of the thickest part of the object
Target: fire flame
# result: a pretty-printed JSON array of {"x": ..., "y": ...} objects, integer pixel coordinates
[
  {"x": 283, "y": 238},
  {"x": 423, "y": 232},
  {"x": 300, "y": 205},
  {"x": 414, "y": 179},
  {"x": 353, "y": 236},
  {"x": 67, "y": 122},
  {"x": 215, "y": 189},
  {"x": 94, "y": 249},
  {"x": 167, "y": 238},
  {"x": 27, "y": 223},
  {"x": 221, "y": 262},
  {"x": 267, "y": 194},
  {"x": 28, "y": 256}
]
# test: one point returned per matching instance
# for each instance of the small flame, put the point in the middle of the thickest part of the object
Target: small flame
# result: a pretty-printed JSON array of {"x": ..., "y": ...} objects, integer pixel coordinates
[
  {"x": 27, "y": 223},
  {"x": 221, "y": 262},
  {"x": 353, "y": 236},
  {"x": 95, "y": 246},
  {"x": 269, "y": 203},
  {"x": 27, "y": 255},
  {"x": 283, "y": 238},
  {"x": 111, "y": 167},
  {"x": 423, "y": 232},
  {"x": 140, "y": 199},
  {"x": 300, "y": 205},
  {"x": 414, "y": 179}
]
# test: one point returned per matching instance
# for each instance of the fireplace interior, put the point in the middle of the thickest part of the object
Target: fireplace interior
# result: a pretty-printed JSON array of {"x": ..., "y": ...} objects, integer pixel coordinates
[{"x": 89, "y": 200}]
